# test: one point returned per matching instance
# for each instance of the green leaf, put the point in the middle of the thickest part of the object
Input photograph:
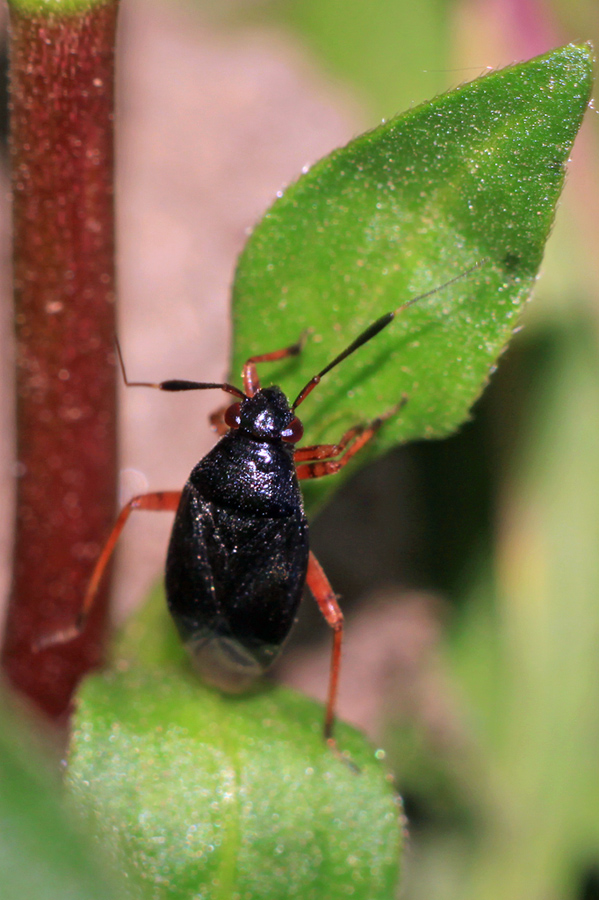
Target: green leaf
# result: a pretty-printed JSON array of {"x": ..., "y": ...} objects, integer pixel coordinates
[
  {"x": 201, "y": 795},
  {"x": 472, "y": 177},
  {"x": 43, "y": 855}
]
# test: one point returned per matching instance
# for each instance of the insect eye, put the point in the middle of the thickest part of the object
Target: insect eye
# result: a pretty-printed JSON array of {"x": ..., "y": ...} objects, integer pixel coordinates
[
  {"x": 293, "y": 432},
  {"x": 232, "y": 417}
]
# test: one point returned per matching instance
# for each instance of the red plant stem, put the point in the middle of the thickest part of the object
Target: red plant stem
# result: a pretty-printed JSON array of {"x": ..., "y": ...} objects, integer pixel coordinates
[{"x": 62, "y": 77}]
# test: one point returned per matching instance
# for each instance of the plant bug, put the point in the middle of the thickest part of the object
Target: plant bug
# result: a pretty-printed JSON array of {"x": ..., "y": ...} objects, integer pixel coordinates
[{"x": 238, "y": 557}]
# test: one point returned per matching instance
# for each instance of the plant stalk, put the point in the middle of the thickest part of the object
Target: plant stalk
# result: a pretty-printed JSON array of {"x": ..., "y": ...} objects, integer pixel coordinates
[{"x": 62, "y": 89}]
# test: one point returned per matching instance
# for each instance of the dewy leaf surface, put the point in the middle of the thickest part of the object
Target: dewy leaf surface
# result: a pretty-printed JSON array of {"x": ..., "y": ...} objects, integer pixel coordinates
[
  {"x": 204, "y": 796},
  {"x": 472, "y": 177},
  {"x": 43, "y": 854}
]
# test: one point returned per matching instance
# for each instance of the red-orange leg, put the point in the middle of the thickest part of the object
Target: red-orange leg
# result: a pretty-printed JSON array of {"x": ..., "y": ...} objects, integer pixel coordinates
[
  {"x": 251, "y": 382},
  {"x": 326, "y": 598},
  {"x": 318, "y": 458},
  {"x": 161, "y": 501},
  {"x": 326, "y": 451}
]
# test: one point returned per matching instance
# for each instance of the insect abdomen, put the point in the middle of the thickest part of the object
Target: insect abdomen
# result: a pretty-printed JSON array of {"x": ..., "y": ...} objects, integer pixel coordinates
[{"x": 234, "y": 582}]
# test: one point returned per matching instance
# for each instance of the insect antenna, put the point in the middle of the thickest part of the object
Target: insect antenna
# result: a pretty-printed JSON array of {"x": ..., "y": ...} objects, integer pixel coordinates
[
  {"x": 176, "y": 384},
  {"x": 374, "y": 329}
]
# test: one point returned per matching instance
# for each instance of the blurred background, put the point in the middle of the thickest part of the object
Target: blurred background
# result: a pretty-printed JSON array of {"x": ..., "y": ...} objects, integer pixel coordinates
[{"x": 468, "y": 568}]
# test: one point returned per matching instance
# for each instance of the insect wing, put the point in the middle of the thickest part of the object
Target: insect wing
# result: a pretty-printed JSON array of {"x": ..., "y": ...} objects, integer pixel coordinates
[{"x": 234, "y": 583}]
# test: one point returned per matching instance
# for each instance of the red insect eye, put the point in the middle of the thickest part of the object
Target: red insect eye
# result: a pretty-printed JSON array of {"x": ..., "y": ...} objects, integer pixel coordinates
[
  {"x": 293, "y": 432},
  {"x": 232, "y": 415}
]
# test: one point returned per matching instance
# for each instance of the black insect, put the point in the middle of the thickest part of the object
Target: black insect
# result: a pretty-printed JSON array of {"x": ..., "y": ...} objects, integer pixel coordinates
[{"x": 238, "y": 557}]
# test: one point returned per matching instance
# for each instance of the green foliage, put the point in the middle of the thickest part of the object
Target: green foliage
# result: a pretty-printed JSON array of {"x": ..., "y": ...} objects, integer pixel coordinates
[
  {"x": 43, "y": 855},
  {"x": 471, "y": 178},
  {"x": 523, "y": 789},
  {"x": 538, "y": 727},
  {"x": 201, "y": 795},
  {"x": 393, "y": 54}
]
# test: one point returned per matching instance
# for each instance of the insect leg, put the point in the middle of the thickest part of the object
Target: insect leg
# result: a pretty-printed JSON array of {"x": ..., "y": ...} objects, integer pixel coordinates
[
  {"x": 163, "y": 501},
  {"x": 251, "y": 382},
  {"x": 326, "y": 451},
  {"x": 321, "y": 463},
  {"x": 326, "y": 598}
]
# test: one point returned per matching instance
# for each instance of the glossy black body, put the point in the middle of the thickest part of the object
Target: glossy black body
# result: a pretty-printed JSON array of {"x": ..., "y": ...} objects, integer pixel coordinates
[{"x": 238, "y": 553}]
